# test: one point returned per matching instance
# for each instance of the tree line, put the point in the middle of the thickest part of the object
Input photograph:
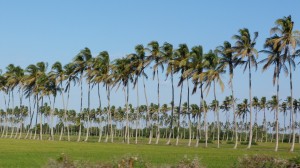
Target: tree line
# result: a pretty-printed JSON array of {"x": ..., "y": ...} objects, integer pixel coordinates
[{"x": 203, "y": 70}]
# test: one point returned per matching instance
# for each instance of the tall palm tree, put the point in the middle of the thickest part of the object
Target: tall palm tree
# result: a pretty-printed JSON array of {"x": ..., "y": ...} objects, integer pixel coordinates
[
  {"x": 122, "y": 74},
  {"x": 278, "y": 60},
  {"x": 70, "y": 78},
  {"x": 287, "y": 41},
  {"x": 168, "y": 57},
  {"x": 58, "y": 73},
  {"x": 181, "y": 65},
  {"x": 14, "y": 77},
  {"x": 155, "y": 56},
  {"x": 101, "y": 74},
  {"x": 244, "y": 47},
  {"x": 227, "y": 59},
  {"x": 81, "y": 62},
  {"x": 195, "y": 71},
  {"x": 213, "y": 76}
]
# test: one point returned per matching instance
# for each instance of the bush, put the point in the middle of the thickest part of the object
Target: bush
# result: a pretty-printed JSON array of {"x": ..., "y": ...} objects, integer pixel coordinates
[
  {"x": 203, "y": 141},
  {"x": 131, "y": 162},
  {"x": 189, "y": 163},
  {"x": 230, "y": 142},
  {"x": 64, "y": 161},
  {"x": 247, "y": 142},
  {"x": 261, "y": 161}
]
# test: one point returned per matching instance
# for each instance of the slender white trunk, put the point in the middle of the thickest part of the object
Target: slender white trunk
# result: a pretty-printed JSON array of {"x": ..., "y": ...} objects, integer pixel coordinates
[{"x": 250, "y": 97}]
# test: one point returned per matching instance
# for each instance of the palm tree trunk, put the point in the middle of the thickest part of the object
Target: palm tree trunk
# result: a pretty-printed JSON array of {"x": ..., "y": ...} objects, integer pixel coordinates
[
  {"x": 81, "y": 95},
  {"x": 137, "y": 111},
  {"x": 158, "y": 112},
  {"x": 250, "y": 97},
  {"x": 51, "y": 116},
  {"x": 127, "y": 135},
  {"x": 13, "y": 113},
  {"x": 148, "y": 123},
  {"x": 88, "y": 115},
  {"x": 218, "y": 120},
  {"x": 292, "y": 108},
  {"x": 31, "y": 117},
  {"x": 172, "y": 109},
  {"x": 21, "y": 113},
  {"x": 110, "y": 115},
  {"x": 189, "y": 115},
  {"x": 100, "y": 120},
  {"x": 265, "y": 124},
  {"x": 41, "y": 120},
  {"x": 179, "y": 111},
  {"x": 277, "y": 109},
  {"x": 234, "y": 113},
  {"x": 5, "y": 124}
]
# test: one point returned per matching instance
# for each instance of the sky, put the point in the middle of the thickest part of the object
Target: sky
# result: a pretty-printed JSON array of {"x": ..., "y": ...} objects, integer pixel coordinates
[{"x": 50, "y": 31}]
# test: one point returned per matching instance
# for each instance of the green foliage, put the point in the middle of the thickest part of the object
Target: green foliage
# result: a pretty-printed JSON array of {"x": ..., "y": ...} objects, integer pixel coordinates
[
  {"x": 247, "y": 142},
  {"x": 263, "y": 161},
  {"x": 208, "y": 141}
]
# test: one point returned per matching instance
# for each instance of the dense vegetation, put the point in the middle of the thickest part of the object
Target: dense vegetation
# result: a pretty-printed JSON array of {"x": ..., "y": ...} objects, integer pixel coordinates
[{"x": 42, "y": 88}]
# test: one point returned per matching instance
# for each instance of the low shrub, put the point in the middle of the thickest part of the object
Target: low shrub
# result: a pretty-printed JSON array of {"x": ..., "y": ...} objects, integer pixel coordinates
[
  {"x": 247, "y": 142},
  {"x": 189, "y": 163},
  {"x": 230, "y": 142},
  {"x": 261, "y": 161},
  {"x": 203, "y": 141}
]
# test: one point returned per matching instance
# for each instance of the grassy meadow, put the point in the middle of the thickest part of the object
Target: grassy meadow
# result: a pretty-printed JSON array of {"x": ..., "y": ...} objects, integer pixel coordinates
[{"x": 34, "y": 153}]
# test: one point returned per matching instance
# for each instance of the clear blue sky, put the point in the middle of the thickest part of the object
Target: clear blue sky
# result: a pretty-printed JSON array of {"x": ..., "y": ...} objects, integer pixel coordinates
[{"x": 34, "y": 30}]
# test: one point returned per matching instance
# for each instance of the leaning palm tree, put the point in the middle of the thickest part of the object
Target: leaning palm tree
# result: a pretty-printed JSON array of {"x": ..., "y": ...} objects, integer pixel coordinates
[
  {"x": 244, "y": 47},
  {"x": 274, "y": 58},
  {"x": 228, "y": 59},
  {"x": 58, "y": 73},
  {"x": 14, "y": 77},
  {"x": 287, "y": 41}
]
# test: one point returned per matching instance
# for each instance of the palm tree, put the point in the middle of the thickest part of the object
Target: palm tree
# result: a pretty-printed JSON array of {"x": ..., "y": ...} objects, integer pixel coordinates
[
  {"x": 122, "y": 74},
  {"x": 273, "y": 105},
  {"x": 58, "y": 73},
  {"x": 213, "y": 76},
  {"x": 14, "y": 77},
  {"x": 81, "y": 62},
  {"x": 256, "y": 106},
  {"x": 244, "y": 47},
  {"x": 263, "y": 106},
  {"x": 195, "y": 71},
  {"x": 276, "y": 59},
  {"x": 168, "y": 57},
  {"x": 70, "y": 78},
  {"x": 155, "y": 55},
  {"x": 101, "y": 74},
  {"x": 287, "y": 41},
  {"x": 181, "y": 64},
  {"x": 228, "y": 59}
]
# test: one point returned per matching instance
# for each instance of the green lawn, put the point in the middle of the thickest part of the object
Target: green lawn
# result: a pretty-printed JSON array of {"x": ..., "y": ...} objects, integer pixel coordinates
[{"x": 34, "y": 153}]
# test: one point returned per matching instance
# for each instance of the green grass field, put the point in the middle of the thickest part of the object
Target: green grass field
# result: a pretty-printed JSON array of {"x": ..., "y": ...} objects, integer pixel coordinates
[{"x": 34, "y": 153}]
